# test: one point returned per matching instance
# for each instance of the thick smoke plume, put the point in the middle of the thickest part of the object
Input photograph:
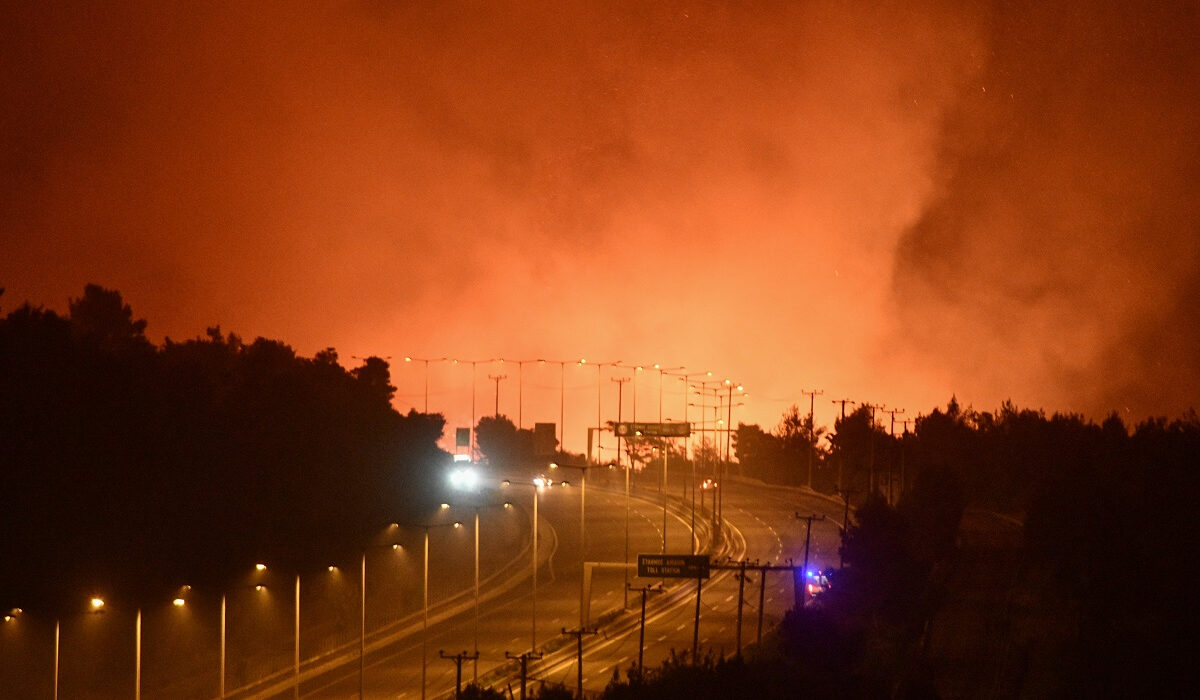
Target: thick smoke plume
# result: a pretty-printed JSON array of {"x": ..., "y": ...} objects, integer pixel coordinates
[{"x": 1059, "y": 263}]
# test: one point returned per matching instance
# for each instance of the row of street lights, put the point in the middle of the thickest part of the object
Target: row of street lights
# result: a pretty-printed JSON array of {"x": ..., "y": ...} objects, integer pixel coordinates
[
  {"x": 562, "y": 364},
  {"x": 98, "y": 605},
  {"x": 463, "y": 480}
]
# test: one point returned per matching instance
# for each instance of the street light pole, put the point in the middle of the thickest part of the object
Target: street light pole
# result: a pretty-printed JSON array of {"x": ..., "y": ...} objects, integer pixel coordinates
[
  {"x": 533, "y": 599},
  {"x": 56, "y": 646},
  {"x": 620, "y": 381},
  {"x": 582, "y": 528},
  {"x": 537, "y": 485},
  {"x": 137, "y": 687},
  {"x": 665, "y": 451},
  {"x": 426, "y": 527},
  {"x": 562, "y": 399},
  {"x": 296, "y": 652},
  {"x": 362, "y": 623},
  {"x": 520, "y": 388},
  {"x": 473, "y": 392},
  {"x": 599, "y": 393},
  {"x": 426, "y": 363},
  {"x": 221, "y": 687},
  {"x": 475, "y": 661},
  {"x": 686, "y": 389},
  {"x": 425, "y": 601}
]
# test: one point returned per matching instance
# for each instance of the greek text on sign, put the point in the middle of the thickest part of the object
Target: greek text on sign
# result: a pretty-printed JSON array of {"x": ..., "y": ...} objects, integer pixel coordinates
[
  {"x": 654, "y": 429},
  {"x": 672, "y": 565}
]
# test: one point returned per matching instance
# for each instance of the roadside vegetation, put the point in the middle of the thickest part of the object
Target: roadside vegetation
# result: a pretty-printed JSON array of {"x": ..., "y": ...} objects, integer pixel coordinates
[{"x": 133, "y": 466}]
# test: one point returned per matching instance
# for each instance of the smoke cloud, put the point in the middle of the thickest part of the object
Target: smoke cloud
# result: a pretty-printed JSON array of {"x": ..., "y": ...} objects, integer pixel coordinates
[
  {"x": 892, "y": 203},
  {"x": 1058, "y": 261}
]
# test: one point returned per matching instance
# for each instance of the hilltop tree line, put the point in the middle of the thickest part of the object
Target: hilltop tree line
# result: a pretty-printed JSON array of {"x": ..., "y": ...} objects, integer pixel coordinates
[
  {"x": 133, "y": 467},
  {"x": 1107, "y": 563}
]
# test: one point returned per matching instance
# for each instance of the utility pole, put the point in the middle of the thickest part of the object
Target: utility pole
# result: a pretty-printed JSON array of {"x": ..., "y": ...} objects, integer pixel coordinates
[
  {"x": 762, "y": 597},
  {"x": 497, "y": 378},
  {"x": 903, "y": 477},
  {"x": 458, "y": 662},
  {"x": 741, "y": 578},
  {"x": 801, "y": 590},
  {"x": 845, "y": 493},
  {"x": 578, "y": 634},
  {"x": 871, "y": 468},
  {"x": 891, "y": 433},
  {"x": 741, "y": 567},
  {"x": 524, "y": 659},
  {"x": 812, "y": 427},
  {"x": 841, "y": 457},
  {"x": 644, "y": 590}
]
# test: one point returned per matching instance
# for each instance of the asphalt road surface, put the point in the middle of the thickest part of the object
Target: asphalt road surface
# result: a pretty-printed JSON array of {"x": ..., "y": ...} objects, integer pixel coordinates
[{"x": 180, "y": 650}]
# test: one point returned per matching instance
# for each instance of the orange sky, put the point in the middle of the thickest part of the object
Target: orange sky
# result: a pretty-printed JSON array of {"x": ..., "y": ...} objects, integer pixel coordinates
[{"x": 891, "y": 204}]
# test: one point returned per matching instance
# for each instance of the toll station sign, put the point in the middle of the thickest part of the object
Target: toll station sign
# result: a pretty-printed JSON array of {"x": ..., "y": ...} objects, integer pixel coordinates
[
  {"x": 672, "y": 566},
  {"x": 654, "y": 429}
]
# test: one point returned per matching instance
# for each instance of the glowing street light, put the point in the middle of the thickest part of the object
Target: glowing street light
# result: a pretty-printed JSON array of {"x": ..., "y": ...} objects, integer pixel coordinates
[
  {"x": 426, "y": 363},
  {"x": 582, "y": 526},
  {"x": 562, "y": 399},
  {"x": 362, "y": 609},
  {"x": 599, "y": 393},
  {"x": 426, "y": 527},
  {"x": 473, "y": 393},
  {"x": 96, "y": 604},
  {"x": 467, "y": 479},
  {"x": 537, "y": 485},
  {"x": 258, "y": 588},
  {"x": 520, "y": 387}
]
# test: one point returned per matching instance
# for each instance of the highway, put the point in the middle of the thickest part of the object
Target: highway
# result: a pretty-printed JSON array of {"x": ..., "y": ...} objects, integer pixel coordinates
[
  {"x": 179, "y": 645},
  {"x": 761, "y": 527}
]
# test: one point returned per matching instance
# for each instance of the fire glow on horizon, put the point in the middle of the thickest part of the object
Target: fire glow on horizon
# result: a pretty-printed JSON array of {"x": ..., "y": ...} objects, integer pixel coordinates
[{"x": 893, "y": 204}]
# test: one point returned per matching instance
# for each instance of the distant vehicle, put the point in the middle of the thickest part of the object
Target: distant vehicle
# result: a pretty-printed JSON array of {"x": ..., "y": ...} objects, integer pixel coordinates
[{"x": 817, "y": 582}]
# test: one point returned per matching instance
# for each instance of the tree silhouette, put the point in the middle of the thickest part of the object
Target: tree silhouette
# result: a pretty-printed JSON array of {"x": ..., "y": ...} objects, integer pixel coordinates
[
  {"x": 502, "y": 444},
  {"x": 101, "y": 317},
  {"x": 140, "y": 466}
]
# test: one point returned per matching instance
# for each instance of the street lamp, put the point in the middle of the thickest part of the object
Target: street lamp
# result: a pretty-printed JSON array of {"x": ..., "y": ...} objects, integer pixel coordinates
[
  {"x": 466, "y": 479},
  {"x": 426, "y": 363},
  {"x": 718, "y": 472},
  {"x": 362, "y": 606},
  {"x": 97, "y": 606},
  {"x": 685, "y": 377},
  {"x": 259, "y": 587},
  {"x": 582, "y": 526},
  {"x": 426, "y": 527},
  {"x": 599, "y": 394},
  {"x": 520, "y": 387},
  {"x": 562, "y": 399},
  {"x": 537, "y": 484},
  {"x": 666, "y": 452},
  {"x": 472, "y": 363},
  {"x": 260, "y": 569}
]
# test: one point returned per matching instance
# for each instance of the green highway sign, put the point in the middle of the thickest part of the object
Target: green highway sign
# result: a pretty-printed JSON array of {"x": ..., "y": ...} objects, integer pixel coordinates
[
  {"x": 653, "y": 429},
  {"x": 672, "y": 566}
]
